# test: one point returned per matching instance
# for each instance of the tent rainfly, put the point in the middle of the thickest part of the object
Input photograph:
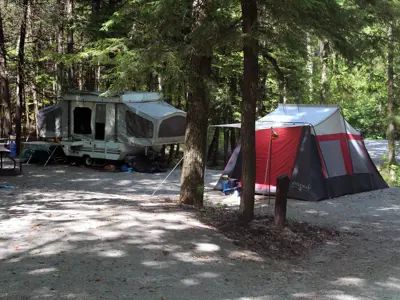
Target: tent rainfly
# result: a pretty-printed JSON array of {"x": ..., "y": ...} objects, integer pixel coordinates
[{"x": 323, "y": 155}]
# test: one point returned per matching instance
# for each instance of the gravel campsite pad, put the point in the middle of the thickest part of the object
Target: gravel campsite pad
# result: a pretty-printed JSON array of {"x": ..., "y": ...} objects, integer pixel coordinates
[{"x": 75, "y": 233}]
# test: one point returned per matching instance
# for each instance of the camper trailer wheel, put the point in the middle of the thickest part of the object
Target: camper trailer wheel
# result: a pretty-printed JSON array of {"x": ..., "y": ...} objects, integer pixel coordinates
[{"x": 87, "y": 160}]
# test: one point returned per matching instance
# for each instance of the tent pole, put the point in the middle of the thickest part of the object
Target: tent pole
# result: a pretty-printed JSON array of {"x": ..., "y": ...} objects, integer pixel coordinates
[{"x": 270, "y": 163}]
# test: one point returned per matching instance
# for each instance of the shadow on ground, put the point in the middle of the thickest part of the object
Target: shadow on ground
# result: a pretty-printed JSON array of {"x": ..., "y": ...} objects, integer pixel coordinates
[{"x": 69, "y": 233}]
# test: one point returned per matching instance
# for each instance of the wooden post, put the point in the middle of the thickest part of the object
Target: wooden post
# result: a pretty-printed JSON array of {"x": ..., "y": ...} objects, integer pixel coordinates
[{"x": 282, "y": 187}]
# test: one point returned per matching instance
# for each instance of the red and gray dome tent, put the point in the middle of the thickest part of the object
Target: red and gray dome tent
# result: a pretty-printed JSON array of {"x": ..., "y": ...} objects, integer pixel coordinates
[{"x": 323, "y": 155}]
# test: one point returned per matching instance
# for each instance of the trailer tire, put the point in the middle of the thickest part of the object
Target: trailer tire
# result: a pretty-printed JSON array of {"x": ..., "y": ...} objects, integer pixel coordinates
[{"x": 87, "y": 160}]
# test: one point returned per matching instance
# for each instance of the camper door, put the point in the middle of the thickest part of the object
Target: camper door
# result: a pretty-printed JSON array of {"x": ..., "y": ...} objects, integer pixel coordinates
[{"x": 82, "y": 119}]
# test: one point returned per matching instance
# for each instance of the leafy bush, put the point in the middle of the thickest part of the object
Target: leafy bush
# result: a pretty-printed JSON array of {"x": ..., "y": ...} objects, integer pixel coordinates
[{"x": 391, "y": 174}]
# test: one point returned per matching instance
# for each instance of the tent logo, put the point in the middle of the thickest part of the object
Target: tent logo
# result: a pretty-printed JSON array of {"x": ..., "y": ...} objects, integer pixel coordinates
[{"x": 301, "y": 186}]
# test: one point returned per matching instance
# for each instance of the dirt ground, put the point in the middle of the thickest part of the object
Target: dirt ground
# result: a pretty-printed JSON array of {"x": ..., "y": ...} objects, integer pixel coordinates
[{"x": 74, "y": 233}]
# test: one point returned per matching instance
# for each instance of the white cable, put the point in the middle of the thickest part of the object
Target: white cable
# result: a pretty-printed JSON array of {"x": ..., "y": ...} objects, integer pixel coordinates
[{"x": 167, "y": 177}]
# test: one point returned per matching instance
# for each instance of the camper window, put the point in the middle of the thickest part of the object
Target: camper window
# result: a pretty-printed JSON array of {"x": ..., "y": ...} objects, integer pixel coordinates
[
  {"x": 136, "y": 126},
  {"x": 171, "y": 127},
  {"x": 82, "y": 118}
]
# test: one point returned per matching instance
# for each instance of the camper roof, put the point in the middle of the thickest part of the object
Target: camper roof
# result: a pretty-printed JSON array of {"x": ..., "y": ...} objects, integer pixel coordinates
[{"x": 125, "y": 97}]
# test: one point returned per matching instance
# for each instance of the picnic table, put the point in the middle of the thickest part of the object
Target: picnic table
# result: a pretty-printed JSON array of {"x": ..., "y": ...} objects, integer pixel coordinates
[
  {"x": 4, "y": 152},
  {"x": 49, "y": 147}
]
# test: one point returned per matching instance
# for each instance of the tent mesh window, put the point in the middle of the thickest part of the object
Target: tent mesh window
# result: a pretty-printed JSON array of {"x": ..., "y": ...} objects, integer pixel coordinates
[
  {"x": 171, "y": 127},
  {"x": 137, "y": 126},
  {"x": 52, "y": 120},
  {"x": 82, "y": 118}
]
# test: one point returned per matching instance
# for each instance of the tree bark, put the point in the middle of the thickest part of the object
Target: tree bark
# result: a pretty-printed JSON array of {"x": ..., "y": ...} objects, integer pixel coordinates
[
  {"x": 310, "y": 67},
  {"x": 280, "y": 75},
  {"x": 95, "y": 7},
  {"x": 324, "y": 76},
  {"x": 71, "y": 84},
  {"x": 5, "y": 98},
  {"x": 233, "y": 139},
  {"x": 263, "y": 92},
  {"x": 226, "y": 143},
  {"x": 171, "y": 153},
  {"x": 391, "y": 100},
  {"x": 249, "y": 104},
  {"x": 29, "y": 34},
  {"x": 192, "y": 188},
  {"x": 20, "y": 75},
  {"x": 35, "y": 100},
  {"x": 59, "y": 67},
  {"x": 213, "y": 149}
]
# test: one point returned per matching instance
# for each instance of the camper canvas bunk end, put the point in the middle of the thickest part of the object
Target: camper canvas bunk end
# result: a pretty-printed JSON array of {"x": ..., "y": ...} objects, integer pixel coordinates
[{"x": 91, "y": 126}]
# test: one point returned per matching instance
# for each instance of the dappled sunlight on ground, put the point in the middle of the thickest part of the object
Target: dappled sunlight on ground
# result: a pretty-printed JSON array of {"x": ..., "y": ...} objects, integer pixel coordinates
[{"x": 65, "y": 237}]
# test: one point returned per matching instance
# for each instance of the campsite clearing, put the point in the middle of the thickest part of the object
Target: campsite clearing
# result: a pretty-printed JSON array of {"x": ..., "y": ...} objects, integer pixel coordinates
[{"x": 74, "y": 233}]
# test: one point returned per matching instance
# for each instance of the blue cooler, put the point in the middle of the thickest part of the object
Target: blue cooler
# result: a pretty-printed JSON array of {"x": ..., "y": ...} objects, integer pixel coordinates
[{"x": 13, "y": 149}]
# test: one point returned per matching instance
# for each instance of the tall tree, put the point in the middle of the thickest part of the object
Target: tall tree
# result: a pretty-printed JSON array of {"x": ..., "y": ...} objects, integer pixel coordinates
[
  {"x": 71, "y": 84},
  {"x": 5, "y": 97},
  {"x": 309, "y": 66},
  {"x": 324, "y": 53},
  {"x": 391, "y": 98},
  {"x": 20, "y": 76},
  {"x": 249, "y": 105},
  {"x": 192, "y": 191}
]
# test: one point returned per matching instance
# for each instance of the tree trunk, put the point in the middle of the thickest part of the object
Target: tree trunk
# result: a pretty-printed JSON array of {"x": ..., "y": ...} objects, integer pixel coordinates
[
  {"x": 226, "y": 143},
  {"x": 71, "y": 84},
  {"x": 90, "y": 72},
  {"x": 36, "y": 55},
  {"x": 95, "y": 7},
  {"x": 263, "y": 92},
  {"x": 213, "y": 149},
  {"x": 5, "y": 98},
  {"x": 310, "y": 67},
  {"x": 391, "y": 99},
  {"x": 249, "y": 104},
  {"x": 29, "y": 34},
  {"x": 192, "y": 188},
  {"x": 171, "y": 153},
  {"x": 35, "y": 107},
  {"x": 20, "y": 75},
  {"x": 59, "y": 68},
  {"x": 27, "y": 112},
  {"x": 324, "y": 77},
  {"x": 233, "y": 139},
  {"x": 280, "y": 75}
]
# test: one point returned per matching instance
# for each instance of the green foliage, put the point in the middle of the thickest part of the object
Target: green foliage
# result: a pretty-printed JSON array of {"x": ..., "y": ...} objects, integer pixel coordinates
[
  {"x": 133, "y": 44},
  {"x": 391, "y": 174}
]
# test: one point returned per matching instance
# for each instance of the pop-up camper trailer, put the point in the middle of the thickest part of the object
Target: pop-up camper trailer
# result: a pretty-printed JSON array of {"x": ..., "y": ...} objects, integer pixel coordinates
[{"x": 92, "y": 126}]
